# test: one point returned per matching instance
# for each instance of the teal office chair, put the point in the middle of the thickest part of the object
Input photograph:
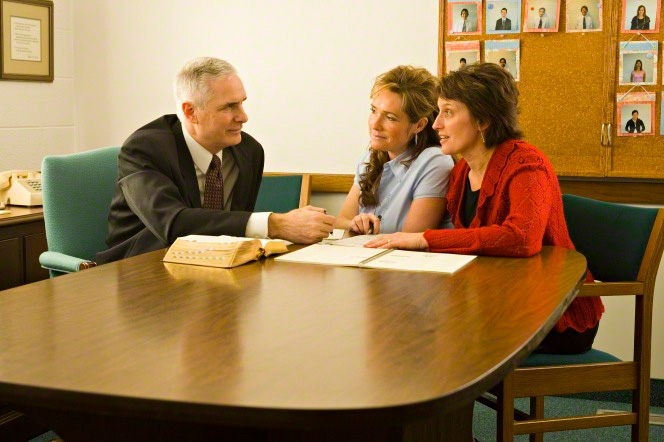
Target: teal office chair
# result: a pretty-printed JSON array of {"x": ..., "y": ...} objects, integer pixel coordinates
[
  {"x": 623, "y": 246},
  {"x": 283, "y": 192},
  {"x": 77, "y": 193}
]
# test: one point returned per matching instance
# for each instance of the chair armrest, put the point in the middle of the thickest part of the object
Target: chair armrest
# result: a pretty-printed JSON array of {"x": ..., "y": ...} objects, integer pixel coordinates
[
  {"x": 60, "y": 262},
  {"x": 611, "y": 289}
]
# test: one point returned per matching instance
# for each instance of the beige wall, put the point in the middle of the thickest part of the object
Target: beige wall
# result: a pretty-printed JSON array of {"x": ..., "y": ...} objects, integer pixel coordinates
[
  {"x": 37, "y": 119},
  {"x": 307, "y": 67}
]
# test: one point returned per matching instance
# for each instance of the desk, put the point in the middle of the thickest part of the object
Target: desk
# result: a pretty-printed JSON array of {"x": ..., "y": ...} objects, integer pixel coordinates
[
  {"x": 22, "y": 240},
  {"x": 143, "y": 350}
]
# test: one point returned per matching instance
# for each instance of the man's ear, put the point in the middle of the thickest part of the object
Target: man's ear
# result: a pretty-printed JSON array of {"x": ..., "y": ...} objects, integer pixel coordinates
[{"x": 189, "y": 112}]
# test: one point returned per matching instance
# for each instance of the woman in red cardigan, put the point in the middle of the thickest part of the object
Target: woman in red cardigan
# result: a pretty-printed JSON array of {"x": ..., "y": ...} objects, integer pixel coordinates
[{"x": 504, "y": 196}]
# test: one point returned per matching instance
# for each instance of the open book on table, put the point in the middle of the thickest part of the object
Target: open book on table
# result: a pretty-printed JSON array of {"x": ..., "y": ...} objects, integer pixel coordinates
[
  {"x": 392, "y": 259},
  {"x": 222, "y": 251}
]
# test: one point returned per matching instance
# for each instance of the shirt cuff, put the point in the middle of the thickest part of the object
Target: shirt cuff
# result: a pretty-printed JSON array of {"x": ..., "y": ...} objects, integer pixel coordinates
[{"x": 257, "y": 225}]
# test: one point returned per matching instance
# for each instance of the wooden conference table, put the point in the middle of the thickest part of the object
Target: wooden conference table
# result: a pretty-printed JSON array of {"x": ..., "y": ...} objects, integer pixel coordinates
[{"x": 142, "y": 350}]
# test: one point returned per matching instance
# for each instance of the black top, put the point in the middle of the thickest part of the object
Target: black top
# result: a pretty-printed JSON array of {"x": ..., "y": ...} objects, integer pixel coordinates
[
  {"x": 635, "y": 126},
  {"x": 469, "y": 204}
]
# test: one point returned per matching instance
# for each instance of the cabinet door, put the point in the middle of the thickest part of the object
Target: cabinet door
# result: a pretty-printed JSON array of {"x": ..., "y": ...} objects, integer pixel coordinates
[
  {"x": 637, "y": 157},
  {"x": 11, "y": 263},
  {"x": 34, "y": 246}
]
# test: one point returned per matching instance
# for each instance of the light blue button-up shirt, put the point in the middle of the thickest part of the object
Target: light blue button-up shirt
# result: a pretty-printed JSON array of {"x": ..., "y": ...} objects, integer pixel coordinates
[{"x": 426, "y": 177}]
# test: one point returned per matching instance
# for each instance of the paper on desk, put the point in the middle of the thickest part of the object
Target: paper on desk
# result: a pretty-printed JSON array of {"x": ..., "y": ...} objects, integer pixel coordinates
[
  {"x": 419, "y": 261},
  {"x": 353, "y": 241},
  {"x": 331, "y": 255},
  {"x": 225, "y": 239}
]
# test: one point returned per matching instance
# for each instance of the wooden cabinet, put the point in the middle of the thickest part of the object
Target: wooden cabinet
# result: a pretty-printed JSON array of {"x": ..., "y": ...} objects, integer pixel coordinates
[
  {"x": 568, "y": 86},
  {"x": 22, "y": 240}
]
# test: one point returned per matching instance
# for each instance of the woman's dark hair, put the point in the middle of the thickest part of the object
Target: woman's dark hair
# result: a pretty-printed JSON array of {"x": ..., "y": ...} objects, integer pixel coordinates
[
  {"x": 418, "y": 91},
  {"x": 490, "y": 94},
  {"x": 640, "y": 62}
]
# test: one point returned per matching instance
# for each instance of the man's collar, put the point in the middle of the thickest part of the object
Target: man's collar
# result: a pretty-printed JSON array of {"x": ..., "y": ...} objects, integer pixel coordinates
[{"x": 201, "y": 156}]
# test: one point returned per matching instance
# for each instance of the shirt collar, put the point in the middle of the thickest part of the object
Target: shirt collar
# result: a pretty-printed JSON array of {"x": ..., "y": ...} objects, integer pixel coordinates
[
  {"x": 201, "y": 156},
  {"x": 395, "y": 165}
]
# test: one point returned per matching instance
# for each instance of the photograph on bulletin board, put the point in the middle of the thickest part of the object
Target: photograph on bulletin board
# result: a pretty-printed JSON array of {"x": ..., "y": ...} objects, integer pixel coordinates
[
  {"x": 638, "y": 63},
  {"x": 503, "y": 16},
  {"x": 584, "y": 15},
  {"x": 461, "y": 53},
  {"x": 661, "y": 116},
  {"x": 640, "y": 16},
  {"x": 464, "y": 17},
  {"x": 636, "y": 113},
  {"x": 541, "y": 16},
  {"x": 504, "y": 53}
]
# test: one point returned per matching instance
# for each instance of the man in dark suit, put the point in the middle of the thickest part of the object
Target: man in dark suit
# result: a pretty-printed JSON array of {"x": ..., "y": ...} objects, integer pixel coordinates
[
  {"x": 198, "y": 173},
  {"x": 503, "y": 23}
]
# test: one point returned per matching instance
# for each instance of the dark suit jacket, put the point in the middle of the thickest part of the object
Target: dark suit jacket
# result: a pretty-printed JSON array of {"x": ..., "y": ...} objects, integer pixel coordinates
[
  {"x": 157, "y": 198},
  {"x": 499, "y": 24}
]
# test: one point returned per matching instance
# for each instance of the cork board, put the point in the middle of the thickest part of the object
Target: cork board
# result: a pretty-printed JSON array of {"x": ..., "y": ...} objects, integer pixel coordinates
[{"x": 568, "y": 86}]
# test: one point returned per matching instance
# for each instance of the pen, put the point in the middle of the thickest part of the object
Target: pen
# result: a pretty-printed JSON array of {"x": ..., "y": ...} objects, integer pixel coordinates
[{"x": 380, "y": 218}]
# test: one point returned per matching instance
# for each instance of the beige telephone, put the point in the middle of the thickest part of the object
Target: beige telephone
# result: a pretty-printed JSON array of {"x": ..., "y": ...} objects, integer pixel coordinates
[{"x": 20, "y": 188}]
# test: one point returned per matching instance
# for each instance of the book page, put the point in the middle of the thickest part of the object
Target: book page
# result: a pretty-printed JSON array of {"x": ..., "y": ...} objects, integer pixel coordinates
[
  {"x": 331, "y": 255},
  {"x": 225, "y": 239},
  {"x": 212, "y": 254},
  {"x": 420, "y": 261}
]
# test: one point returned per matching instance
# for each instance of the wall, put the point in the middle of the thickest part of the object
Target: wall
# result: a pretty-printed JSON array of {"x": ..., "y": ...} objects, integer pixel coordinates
[
  {"x": 37, "y": 119},
  {"x": 307, "y": 67}
]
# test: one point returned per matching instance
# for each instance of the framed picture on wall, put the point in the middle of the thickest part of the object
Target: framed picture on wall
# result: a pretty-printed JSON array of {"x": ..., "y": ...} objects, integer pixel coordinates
[
  {"x": 504, "y": 53},
  {"x": 541, "y": 16},
  {"x": 636, "y": 114},
  {"x": 638, "y": 63},
  {"x": 26, "y": 41},
  {"x": 464, "y": 17},
  {"x": 584, "y": 15},
  {"x": 640, "y": 16},
  {"x": 503, "y": 16},
  {"x": 460, "y": 53}
]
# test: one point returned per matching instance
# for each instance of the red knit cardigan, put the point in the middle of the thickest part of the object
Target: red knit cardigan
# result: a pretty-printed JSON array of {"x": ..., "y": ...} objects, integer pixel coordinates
[{"x": 519, "y": 210}]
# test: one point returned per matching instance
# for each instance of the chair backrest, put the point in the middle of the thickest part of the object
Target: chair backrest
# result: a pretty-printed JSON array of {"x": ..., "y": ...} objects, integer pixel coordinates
[
  {"x": 77, "y": 193},
  {"x": 612, "y": 237},
  {"x": 281, "y": 193}
]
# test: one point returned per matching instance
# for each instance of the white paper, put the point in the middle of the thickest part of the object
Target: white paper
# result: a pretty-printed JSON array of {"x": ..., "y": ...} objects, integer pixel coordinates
[
  {"x": 331, "y": 255},
  {"x": 25, "y": 36},
  {"x": 353, "y": 241},
  {"x": 420, "y": 261}
]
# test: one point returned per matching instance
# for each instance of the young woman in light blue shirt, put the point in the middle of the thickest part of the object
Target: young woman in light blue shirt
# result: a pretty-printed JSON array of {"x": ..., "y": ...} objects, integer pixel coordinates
[{"x": 401, "y": 182}]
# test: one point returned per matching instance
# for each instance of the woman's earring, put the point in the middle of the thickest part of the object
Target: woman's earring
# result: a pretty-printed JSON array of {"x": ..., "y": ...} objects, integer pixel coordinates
[
  {"x": 482, "y": 135},
  {"x": 416, "y": 138}
]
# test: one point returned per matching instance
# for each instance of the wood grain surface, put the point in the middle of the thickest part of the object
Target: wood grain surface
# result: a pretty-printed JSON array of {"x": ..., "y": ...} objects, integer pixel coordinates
[{"x": 277, "y": 344}]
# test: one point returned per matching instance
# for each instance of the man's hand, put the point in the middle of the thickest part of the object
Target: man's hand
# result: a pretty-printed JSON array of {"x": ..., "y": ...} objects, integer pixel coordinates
[
  {"x": 365, "y": 224},
  {"x": 401, "y": 240},
  {"x": 302, "y": 226}
]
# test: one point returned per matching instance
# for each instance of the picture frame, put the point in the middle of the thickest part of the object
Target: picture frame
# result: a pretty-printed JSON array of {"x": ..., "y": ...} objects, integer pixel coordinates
[
  {"x": 584, "y": 16},
  {"x": 26, "y": 40},
  {"x": 460, "y": 53},
  {"x": 468, "y": 24},
  {"x": 636, "y": 114},
  {"x": 638, "y": 63},
  {"x": 494, "y": 16},
  {"x": 542, "y": 16},
  {"x": 632, "y": 23},
  {"x": 505, "y": 53}
]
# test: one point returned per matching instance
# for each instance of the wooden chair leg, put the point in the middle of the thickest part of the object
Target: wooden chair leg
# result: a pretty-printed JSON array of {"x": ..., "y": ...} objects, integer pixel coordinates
[
  {"x": 537, "y": 412},
  {"x": 641, "y": 405},
  {"x": 505, "y": 398}
]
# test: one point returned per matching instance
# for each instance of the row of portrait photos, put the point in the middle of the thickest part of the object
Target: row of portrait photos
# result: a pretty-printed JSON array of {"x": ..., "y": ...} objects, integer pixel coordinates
[
  {"x": 505, "y": 53},
  {"x": 504, "y": 16}
]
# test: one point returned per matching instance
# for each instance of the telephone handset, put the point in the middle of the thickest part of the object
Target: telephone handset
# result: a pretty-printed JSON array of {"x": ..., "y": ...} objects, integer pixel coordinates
[{"x": 20, "y": 188}]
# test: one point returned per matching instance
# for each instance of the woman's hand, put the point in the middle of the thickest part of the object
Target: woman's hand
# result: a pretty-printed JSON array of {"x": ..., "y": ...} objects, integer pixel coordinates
[
  {"x": 365, "y": 224},
  {"x": 400, "y": 240}
]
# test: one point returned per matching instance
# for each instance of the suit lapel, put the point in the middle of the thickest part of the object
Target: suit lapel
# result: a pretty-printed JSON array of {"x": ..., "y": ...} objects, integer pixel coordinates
[
  {"x": 186, "y": 165},
  {"x": 243, "y": 184}
]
